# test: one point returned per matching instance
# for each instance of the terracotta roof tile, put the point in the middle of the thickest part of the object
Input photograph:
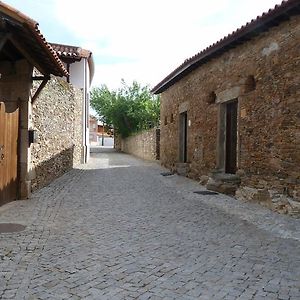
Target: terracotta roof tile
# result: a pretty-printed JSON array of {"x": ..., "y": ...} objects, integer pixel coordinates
[
  {"x": 68, "y": 51},
  {"x": 30, "y": 36},
  {"x": 254, "y": 27}
]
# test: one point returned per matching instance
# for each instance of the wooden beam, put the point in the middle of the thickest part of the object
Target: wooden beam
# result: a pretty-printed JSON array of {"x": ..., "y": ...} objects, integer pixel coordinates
[
  {"x": 38, "y": 91},
  {"x": 3, "y": 39},
  {"x": 24, "y": 52},
  {"x": 8, "y": 54},
  {"x": 68, "y": 69},
  {"x": 40, "y": 77}
]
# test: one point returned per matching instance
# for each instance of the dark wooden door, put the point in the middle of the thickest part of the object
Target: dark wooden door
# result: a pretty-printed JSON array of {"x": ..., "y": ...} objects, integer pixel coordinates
[
  {"x": 183, "y": 137},
  {"x": 231, "y": 137},
  {"x": 9, "y": 123}
]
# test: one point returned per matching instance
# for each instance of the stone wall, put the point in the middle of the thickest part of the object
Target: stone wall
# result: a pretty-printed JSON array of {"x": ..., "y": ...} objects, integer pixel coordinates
[
  {"x": 78, "y": 126},
  {"x": 263, "y": 74},
  {"x": 57, "y": 119},
  {"x": 117, "y": 142},
  {"x": 144, "y": 145}
]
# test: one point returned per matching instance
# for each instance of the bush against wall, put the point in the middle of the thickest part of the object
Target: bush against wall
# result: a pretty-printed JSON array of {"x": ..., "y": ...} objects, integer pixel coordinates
[{"x": 129, "y": 109}]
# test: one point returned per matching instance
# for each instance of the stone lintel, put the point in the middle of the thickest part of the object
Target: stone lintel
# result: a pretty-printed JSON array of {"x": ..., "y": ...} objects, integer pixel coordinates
[
  {"x": 183, "y": 107},
  {"x": 229, "y": 94}
]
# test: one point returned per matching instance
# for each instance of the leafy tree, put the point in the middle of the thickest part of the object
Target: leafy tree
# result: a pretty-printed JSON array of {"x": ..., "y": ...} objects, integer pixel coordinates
[{"x": 129, "y": 109}]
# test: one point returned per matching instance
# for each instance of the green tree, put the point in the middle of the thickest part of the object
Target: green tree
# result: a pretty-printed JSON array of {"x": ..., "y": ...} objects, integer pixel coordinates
[{"x": 129, "y": 109}]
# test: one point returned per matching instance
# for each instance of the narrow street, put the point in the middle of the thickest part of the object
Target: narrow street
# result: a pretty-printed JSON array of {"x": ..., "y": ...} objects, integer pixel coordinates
[{"x": 117, "y": 229}]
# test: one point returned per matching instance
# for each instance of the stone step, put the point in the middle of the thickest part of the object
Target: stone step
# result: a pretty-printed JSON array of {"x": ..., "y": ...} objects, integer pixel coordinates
[
  {"x": 224, "y": 188},
  {"x": 225, "y": 177},
  {"x": 223, "y": 183},
  {"x": 182, "y": 168}
]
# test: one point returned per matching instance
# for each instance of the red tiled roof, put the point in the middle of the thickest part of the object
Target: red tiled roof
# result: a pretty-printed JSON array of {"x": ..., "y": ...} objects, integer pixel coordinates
[
  {"x": 262, "y": 23},
  {"x": 29, "y": 35},
  {"x": 67, "y": 51}
]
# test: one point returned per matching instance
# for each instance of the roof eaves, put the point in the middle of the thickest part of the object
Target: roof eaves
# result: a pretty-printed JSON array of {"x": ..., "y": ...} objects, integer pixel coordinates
[
  {"x": 69, "y": 51},
  {"x": 52, "y": 54},
  {"x": 17, "y": 15},
  {"x": 261, "y": 23},
  {"x": 32, "y": 26}
]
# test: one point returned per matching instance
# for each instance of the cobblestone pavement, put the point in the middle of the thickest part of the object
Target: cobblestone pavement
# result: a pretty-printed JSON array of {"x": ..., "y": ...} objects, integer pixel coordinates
[{"x": 118, "y": 229}]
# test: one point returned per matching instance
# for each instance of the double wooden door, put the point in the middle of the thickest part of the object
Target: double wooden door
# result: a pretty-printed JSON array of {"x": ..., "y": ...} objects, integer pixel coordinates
[{"x": 9, "y": 124}]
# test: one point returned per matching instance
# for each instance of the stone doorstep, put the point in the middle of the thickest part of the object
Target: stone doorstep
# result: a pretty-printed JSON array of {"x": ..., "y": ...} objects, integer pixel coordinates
[
  {"x": 223, "y": 183},
  {"x": 224, "y": 188},
  {"x": 182, "y": 168},
  {"x": 225, "y": 177}
]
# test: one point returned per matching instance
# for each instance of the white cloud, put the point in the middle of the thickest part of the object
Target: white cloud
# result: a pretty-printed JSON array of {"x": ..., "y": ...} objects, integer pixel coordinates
[{"x": 153, "y": 37}]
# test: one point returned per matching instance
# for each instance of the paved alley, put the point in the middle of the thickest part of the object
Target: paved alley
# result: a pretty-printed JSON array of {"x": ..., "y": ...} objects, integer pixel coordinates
[{"x": 118, "y": 229}]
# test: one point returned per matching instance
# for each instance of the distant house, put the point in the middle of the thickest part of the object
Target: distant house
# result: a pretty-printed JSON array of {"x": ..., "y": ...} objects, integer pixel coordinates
[
  {"x": 93, "y": 130},
  {"x": 42, "y": 117},
  {"x": 99, "y": 134},
  {"x": 105, "y": 130},
  {"x": 230, "y": 114}
]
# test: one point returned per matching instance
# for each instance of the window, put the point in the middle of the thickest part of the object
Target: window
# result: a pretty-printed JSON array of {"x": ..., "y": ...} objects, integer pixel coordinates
[
  {"x": 250, "y": 84},
  {"x": 211, "y": 98}
]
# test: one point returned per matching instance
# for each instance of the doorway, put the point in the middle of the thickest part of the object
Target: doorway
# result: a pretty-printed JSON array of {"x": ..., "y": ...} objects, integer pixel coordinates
[
  {"x": 8, "y": 154},
  {"x": 183, "y": 137},
  {"x": 231, "y": 137}
]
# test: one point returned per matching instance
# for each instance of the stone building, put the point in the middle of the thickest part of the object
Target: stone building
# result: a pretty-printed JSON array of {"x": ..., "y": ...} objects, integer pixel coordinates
[
  {"x": 230, "y": 115},
  {"x": 100, "y": 135},
  {"x": 41, "y": 114}
]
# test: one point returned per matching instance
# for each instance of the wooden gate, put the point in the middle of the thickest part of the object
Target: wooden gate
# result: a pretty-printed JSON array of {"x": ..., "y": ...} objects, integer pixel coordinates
[{"x": 8, "y": 154}]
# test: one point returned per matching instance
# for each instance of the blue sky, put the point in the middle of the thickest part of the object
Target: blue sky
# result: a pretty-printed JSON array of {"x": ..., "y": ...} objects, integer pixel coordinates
[{"x": 139, "y": 40}]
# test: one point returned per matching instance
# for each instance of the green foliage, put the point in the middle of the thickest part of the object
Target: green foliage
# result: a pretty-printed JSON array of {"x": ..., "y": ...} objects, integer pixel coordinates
[{"x": 129, "y": 109}]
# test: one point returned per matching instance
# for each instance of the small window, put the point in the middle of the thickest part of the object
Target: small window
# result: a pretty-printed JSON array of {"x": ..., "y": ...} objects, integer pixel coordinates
[
  {"x": 166, "y": 120},
  {"x": 172, "y": 118},
  {"x": 212, "y": 97},
  {"x": 250, "y": 84}
]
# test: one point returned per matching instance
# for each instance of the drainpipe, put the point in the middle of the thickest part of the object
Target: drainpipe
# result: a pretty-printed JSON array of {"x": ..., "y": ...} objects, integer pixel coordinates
[
  {"x": 87, "y": 111},
  {"x": 85, "y": 114},
  {"x": 83, "y": 119}
]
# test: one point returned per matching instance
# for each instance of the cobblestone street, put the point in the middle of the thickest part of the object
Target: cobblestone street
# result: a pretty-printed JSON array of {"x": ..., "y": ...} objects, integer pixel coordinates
[{"x": 118, "y": 229}]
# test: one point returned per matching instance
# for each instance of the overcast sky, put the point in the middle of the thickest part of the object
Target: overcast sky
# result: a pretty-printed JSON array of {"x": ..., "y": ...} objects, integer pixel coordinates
[{"x": 141, "y": 40}]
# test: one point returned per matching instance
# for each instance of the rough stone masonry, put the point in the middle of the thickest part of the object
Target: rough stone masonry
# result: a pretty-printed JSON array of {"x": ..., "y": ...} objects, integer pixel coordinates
[
  {"x": 57, "y": 118},
  {"x": 262, "y": 74}
]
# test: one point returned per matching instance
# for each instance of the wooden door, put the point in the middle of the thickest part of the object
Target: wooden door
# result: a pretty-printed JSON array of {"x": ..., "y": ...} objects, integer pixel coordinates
[
  {"x": 183, "y": 137},
  {"x": 9, "y": 123},
  {"x": 231, "y": 137}
]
